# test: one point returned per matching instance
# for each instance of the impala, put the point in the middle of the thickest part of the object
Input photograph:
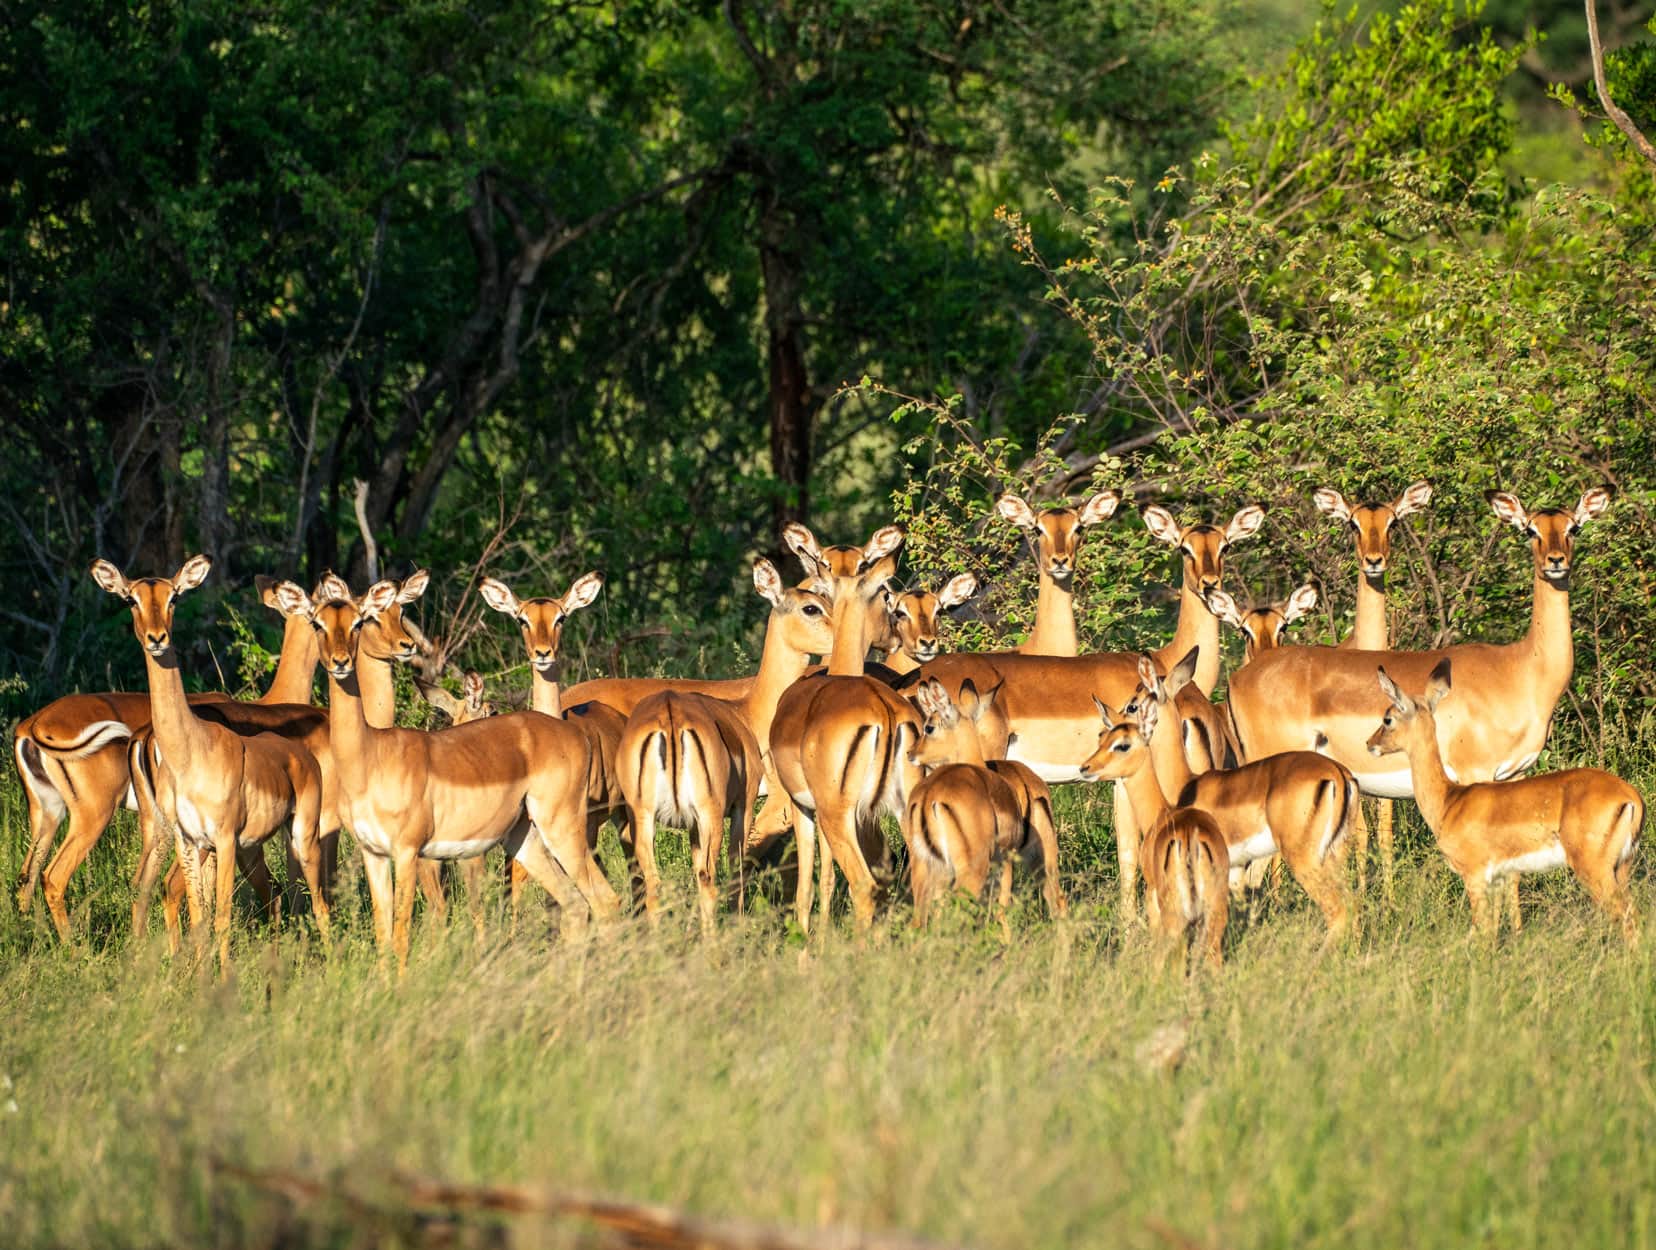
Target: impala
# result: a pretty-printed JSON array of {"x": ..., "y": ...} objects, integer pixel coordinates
[
  {"x": 1582, "y": 818},
  {"x": 1371, "y": 525},
  {"x": 468, "y": 706},
  {"x": 969, "y": 811},
  {"x": 1185, "y": 860},
  {"x": 72, "y": 759},
  {"x": 221, "y": 790},
  {"x": 1262, "y": 628},
  {"x": 1325, "y": 698},
  {"x": 909, "y": 620},
  {"x": 517, "y": 780},
  {"x": 838, "y": 740},
  {"x": 1056, "y": 537},
  {"x": 1299, "y": 804},
  {"x": 690, "y": 759}
]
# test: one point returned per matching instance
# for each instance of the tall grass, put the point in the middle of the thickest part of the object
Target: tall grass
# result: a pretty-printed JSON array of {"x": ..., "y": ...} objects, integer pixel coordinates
[{"x": 1412, "y": 1088}]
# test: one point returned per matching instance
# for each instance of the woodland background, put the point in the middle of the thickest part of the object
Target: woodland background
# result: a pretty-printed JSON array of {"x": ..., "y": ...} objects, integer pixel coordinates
[{"x": 580, "y": 285}]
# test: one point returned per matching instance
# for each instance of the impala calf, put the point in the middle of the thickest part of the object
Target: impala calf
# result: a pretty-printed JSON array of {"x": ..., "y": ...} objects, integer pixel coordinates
[
  {"x": 1582, "y": 818},
  {"x": 1056, "y": 537},
  {"x": 221, "y": 791},
  {"x": 1184, "y": 857},
  {"x": 970, "y": 811}
]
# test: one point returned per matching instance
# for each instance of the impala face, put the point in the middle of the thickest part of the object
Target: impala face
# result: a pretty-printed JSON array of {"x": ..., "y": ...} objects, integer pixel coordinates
[
  {"x": 1372, "y": 523},
  {"x": 1266, "y": 628},
  {"x": 911, "y": 617},
  {"x": 541, "y": 619},
  {"x": 941, "y": 723},
  {"x": 1057, "y": 533},
  {"x": 1203, "y": 546},
  {"x": 847, "y": 573},
  {"x": 341, "y": 623},
  {"x": 1551, "y": 531},
  {"x": 1121, "y": 739},
  {"x": 1402, "y": 720},
  {"x": 807, "y": 617},
  {"x": 152, "y": 599}
]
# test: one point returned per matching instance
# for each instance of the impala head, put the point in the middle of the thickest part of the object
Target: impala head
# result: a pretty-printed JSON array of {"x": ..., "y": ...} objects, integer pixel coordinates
[
  {"x": 860, "y": 571},
  {"x": 374, "y": 622},
  {"x": 1372, "y": 523},
  {"x": 152, "y": 599},
  {"x": 542, "y": 619},
  {"x": 468, "y": 707},
  {"x": 1057, "y": 532},
  {"x": 953, "y": 731},
  {"x": 1551, "y": 531},
  {"x": 1123, "y": 740},
  {"x": 1162, "y": 690},
  {"x": 911, "y": 617},
  {"x": 804, "y": 616},
  {"x": 1203, "y": 546},
  {"x": 1263, "y": 628},
  {"x": 1406, "y": 718}
]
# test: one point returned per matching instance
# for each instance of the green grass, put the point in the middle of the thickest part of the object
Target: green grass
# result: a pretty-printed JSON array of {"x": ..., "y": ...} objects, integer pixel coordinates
[{"x": 1413, "y": 1088}]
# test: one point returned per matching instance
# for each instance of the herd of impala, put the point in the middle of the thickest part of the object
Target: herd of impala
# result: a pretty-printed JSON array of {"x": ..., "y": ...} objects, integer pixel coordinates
[{"x": 959, "y": 748}]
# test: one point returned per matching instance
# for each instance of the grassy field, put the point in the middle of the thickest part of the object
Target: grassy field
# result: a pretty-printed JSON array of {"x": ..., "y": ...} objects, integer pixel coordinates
[{"x": 1412, "y": 1088}]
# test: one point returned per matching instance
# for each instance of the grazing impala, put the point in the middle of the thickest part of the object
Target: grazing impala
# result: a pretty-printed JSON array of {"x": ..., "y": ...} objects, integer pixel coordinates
[
  {"x": 839, "y": 739},
  {"x": 1325, "y": 698},
  {"x": 461, "y": 710},
  {"x": 1582, "y": 818},
  {"x": 1299, "y": 804},
  {"x": 220, "y": 790},
  {"x": 517, "y": 781},
  {"x": 72, "y": 758},
  {"x": 1056, "y": 537},
  {"x": 691, "y": 758},
  {"x": 1185, "y": 859},
  {"x": 969, "y": 811},
  {"x": 1263, "y": 628}
]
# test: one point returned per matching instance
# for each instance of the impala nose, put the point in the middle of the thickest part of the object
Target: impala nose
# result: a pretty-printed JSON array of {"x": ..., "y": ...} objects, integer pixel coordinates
[
  {"x": 542, "y": 657},
  {"x": 1374, "y": 565},
  {"x": 155, "y": 641},
  {"x": 1059, "y": 567}
]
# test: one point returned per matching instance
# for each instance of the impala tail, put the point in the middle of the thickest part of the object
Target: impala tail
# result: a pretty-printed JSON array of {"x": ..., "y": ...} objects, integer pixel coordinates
[
  {"x": 1631, "y": 819},
  {"x": 1342, "y": 809},
  {"x": 95, "y": 737}
]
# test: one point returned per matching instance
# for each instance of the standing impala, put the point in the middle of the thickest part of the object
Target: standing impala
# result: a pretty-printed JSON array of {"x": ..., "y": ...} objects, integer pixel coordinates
[
  {"x": 1262, "y": 628},
  {"x": 909, "y": 623},
  {"x": 1371, "y": 526},
  {"x": 839, "y": 739},
  {"x": 517, "y": 780},
  {"x": 1325, "y": 698},
  {"x": 219, "y": 789},
  {"x": 690, "y": 758},
  {"x": 1056, "y": 537},
  {"x": 73, "y": 761},
  {"x": 1583, "y": 818}
]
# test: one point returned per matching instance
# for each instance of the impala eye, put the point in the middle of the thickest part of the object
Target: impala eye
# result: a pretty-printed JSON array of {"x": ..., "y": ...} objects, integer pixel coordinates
[
  {"x": 811, "y": 609},
  {"x": 1121, "y": 746}
]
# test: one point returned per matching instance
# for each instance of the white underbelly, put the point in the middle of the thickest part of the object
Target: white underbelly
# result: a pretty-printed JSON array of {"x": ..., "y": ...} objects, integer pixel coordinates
[
  {"x": 1054, "y": 774},
  {"x": 191, "y": 823},
  {"x": 370, "y": 836},
  {"x": 1258, "y": 846},
  {"x": 457, "y": 850},
  {"x": 1547, "y": 859},
  {"x": 1398, "y": 783}
]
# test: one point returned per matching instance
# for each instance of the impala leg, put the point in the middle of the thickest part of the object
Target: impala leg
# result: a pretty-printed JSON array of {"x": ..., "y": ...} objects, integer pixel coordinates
[
  {"x": 307, "y": 849},
  {"x": 1486, "y": 921},
  {"x": 1387, "y": 862},
  {"x": 710, "y": 820},
  {"x": 46, "y": 812},
  {"x": 837, "y": 827},
  {"x": 405, "y": 878},
  {"x": 1127, "y": 851},
  {"x": 152, "y": 827},
  {"x": 377, "y": 868},
  {"x": 570, "y": 852},
  {"x": 826, "y": 880},
  {"x": 224, "y": 892},
  {"x": 88, "y": 818},
  {"x": 1359, "y": 844},
  {"x": 805, "y": 844},
  {"x": 472, "y": 877},
  {"x": 1003, "y": 899},
  {"x": 172, "y": 898},
  {"x": 1213, "y": 928},
  {"x": 537, "y": 864},
  {"x": 741, "y": 833},
  {"x": 644, "y": 823},
  {"x": 429, "y": 874}
]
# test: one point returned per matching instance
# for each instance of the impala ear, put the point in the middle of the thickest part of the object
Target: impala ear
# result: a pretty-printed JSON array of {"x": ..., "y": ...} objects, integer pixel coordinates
[
  {"x": 971, "y": 707},
  {"x": 768, "y": 582},
  {"x": 958, "y": 590},
  {"x": 986, "y": 700},
  {"x": 1437, "y": 685},
  {"x": 1223, "y": 606},
  {"x": 377, "y": 600},
  {"x": 932, "y": 698},
  {"x": 1104, "y": 712},
  {"x": 1245, "y": 523},
  {"x": 265, "y": 587},
  {"x": 192, "y": 574},
  {"x": 332, "y": 587},
  {"x": 1149, "y": 714},
  {"x": 1299, "y": 603},
  {"x": 498, "y": 595},
  {"x": 1508, "y": 508},
  {"x": 1414, "y": 499},
  {"x": 111, "y": 579},
  {"x": 803, "y": 544},
  {"x": 1015, "y": 510},
  {"x": 1399, "y": 700},
  {"x": 471, "y": 686},
  {"x": 1148, "y": 677},
  {"x": 582, "y": 591},
  {"x": 413, "y": 586},
  {"x": 1330, "y": 502},
  {"x": 884, "y": 542},
  {"x": 291, "y": 600},
  {"x": 1100, "y": 508},
  {"x": 1593, "y": 503},
  {"x": 1159, "y": 521},
  {"x": 1183, "y": 673}
]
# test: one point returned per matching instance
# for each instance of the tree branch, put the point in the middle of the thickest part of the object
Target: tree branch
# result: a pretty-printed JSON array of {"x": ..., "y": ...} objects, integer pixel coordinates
[{"x": 1624, "y": 123}]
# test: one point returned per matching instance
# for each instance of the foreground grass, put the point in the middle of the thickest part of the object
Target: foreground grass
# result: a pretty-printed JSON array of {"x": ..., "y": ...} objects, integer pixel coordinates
[{"x": 1412, "y": 1088}]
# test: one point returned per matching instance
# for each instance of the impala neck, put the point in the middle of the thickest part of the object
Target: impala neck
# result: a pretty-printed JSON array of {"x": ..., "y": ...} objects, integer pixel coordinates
[
  {"x": 779, "y": 667},
  {"x": 1197, "y": 627},
  {"x": 376, "y": 691},
  {"x": 899, "y": 661},
  {"x": 1054, "y": 632},
  {"x": 176, "y": 727},
  {"x": 1369, "y": 633},
  {"x": 1167, "y": 757},
  {"x": 1549, "y": 639},
  {"x": 850, "y": 654},
  {"x": 545, "y": 695},
  {"x": 1431, "y": 784},
  {"x": 968, "y": 747},
  {"x": 296, "y": 665},
  {"x": 349, "y": 732},
  {"x": 1145, "y": 795}
]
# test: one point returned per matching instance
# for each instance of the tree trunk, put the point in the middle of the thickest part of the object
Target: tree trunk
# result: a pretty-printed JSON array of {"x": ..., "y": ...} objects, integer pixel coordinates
[{"x": 791, "y": 407}]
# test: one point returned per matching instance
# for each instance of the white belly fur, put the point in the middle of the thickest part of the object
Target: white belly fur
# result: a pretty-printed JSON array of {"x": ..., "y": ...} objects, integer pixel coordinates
[
  {"x": 1395, "y": 784},
  {"x": 1258, "y": 846},
  {"x": 370, "y": 836},
  {"x": 1049, "y": 772},
  {"x": 455, "y": 850},
  {"x": 1547, "y": 859}
]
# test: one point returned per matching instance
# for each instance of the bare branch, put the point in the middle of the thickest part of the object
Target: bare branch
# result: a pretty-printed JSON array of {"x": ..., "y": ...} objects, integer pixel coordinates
[{"x": 1624, "y": 123}]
